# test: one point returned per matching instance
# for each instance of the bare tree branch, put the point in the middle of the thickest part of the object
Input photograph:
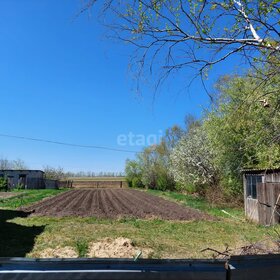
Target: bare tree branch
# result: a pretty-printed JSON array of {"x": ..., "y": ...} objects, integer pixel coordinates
[{"x": 172, "y": 35}]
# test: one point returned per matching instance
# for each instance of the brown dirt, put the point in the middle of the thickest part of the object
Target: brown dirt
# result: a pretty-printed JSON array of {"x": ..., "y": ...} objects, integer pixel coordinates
[
  {"x": 114, "y": 203},
  {"x": 117, "y": 248},
  {"x": 4, "y": 195},
  {"x": 64, "y": 252}
]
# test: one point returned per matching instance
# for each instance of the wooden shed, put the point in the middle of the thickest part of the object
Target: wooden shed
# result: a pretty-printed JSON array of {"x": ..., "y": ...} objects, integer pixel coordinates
[
  {"x": 27, "y": 179},
  {"x": 262, "y": 195}
]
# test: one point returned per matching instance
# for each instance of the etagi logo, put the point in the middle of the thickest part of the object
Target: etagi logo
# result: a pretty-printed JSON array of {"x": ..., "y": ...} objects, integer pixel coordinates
[{"x": 132, "y": 139}]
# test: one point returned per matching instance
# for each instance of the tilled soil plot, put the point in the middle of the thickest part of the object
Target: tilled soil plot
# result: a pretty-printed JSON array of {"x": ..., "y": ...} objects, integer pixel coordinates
[{"x": 114, "y": 203}]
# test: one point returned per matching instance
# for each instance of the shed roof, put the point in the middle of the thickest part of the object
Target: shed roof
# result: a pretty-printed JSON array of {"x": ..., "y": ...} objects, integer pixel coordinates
[
  {"x": 21, "y": 170},
  {"x": 260, "y": 170}
]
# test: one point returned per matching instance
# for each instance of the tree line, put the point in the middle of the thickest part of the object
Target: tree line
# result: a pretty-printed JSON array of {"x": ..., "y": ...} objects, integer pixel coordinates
[
  {"x": 56, "y": 173},
  {"x": 206, "y": 156}
]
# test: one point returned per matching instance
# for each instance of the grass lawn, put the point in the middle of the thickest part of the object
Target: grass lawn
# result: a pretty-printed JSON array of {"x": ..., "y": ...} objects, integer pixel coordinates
[
  {"x": 26, "y": 197},
  {"x": 200, "y": 204},
  {"x": 168, "y": 239}
]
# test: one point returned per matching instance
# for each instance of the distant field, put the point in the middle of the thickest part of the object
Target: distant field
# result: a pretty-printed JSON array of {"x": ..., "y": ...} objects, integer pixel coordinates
[
  {"x": 98, "y": 182},
  {"x": 96, "y": 178}
]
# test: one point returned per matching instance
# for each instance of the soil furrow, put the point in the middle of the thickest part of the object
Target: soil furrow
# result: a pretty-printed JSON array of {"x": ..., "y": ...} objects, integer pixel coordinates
[
  {"x": 161, "y": 204},
  {"x": 128, "y": 204},
  {"x": 72, "y": 205},
  {"x": 150, "y": 208},
  {"x": 61, "y": 204},
  {"x": 82, "y": 204},
  {"x": 118, "y": 203},
  {"x": 50, "y": 201},
  {"x": 114, "y": 203}
]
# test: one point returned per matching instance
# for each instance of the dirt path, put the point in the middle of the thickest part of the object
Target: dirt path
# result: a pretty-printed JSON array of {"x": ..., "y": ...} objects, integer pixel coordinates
[{"x": 114, "y": 203}]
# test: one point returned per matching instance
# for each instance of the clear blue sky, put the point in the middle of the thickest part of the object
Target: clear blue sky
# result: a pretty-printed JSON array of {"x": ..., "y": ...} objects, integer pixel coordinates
[{"x": 62, "y": 80}]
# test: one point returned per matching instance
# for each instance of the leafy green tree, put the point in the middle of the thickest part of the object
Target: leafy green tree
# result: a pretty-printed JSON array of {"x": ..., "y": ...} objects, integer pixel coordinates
[
  {"x": 133, "y": 174},
  {"x": 244, "y": 127},
  {"x": 149, "y": 161},
  {"x": 151, "y": 168}
]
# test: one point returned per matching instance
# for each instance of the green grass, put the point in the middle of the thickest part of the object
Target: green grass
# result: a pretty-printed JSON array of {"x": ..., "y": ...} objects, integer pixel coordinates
[
  {"x": 168, "y": 239},
  {"x": 82, "y": 247},
  {"x": 200, "y": 204},
  {"x": 27, "y": 197}
]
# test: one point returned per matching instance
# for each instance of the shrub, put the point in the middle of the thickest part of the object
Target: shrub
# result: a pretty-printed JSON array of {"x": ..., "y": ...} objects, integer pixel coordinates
[
  {"x": 136, "y": 183},
  {"x": 19, "y": 186},
  {"x": 188, "y": 188},
  {"x": 164, "y": 181},
  {"x": 3, "y": 184},
  {"x": 82, "y": 248},
  {"x": 133, "y": 174}
]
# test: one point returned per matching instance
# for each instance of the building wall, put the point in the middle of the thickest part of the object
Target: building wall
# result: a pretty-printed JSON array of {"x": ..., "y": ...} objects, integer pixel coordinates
[
  {"x": 34, "y": 178},
  {"x": 51, "y": 184},
  {"x": 268, "y": 195},
  {"x": 253, "y": 211},
  {"x": 272, "y": 177}
]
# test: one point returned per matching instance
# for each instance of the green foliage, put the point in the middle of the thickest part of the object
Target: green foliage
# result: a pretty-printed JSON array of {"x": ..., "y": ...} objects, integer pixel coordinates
[
  {"x": 133, "y": 174},
  {"x": 192, "y": 28},
  {"x": 152, "y": 166},
  {"x": 3, "y": 184},
  {"x": 136, "y": 183},
  {"x": 189, "y": 188},
  {"x": 82, "y": 248},
  {"x": 200, "y": 203},
  {"x": 19, "y": 186},
  {"x": 243, "y": 128}
]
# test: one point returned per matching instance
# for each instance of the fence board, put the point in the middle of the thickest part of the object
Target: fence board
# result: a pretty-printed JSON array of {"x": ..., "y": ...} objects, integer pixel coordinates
[
  {"x": 267, "y": 194},
  {"x": 262, "y": 267},
  {"x": 256, "y": 267},
  {"x": 113, "y": 269}
]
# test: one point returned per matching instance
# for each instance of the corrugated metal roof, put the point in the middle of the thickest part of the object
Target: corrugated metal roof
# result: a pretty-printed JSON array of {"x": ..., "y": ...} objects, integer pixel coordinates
[
  {"x": 260, "y": 170},
  {"x": 21, "y": 170}
]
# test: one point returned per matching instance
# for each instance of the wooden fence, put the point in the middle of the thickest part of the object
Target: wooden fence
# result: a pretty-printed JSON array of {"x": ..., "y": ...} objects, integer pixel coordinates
[
  {"x": 236, "y": 268},
  {"x": 99, "y": 184},
  {"x": 92, "y": 184},
  {"x": 268, "y": 195}
]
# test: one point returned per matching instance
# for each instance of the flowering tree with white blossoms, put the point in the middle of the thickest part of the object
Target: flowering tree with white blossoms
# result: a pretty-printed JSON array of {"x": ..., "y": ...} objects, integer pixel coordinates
[{"x": 192, "y": 160}]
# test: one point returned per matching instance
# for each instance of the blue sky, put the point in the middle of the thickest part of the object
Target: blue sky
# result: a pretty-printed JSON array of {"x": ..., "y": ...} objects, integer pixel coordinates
[{"x": 61, "y": 79}]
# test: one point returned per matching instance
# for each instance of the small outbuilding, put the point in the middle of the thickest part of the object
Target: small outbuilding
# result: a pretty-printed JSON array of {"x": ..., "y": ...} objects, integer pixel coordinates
[
  {"x": 262, "y": 195},
  {"x": 27, "y": 179}
]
